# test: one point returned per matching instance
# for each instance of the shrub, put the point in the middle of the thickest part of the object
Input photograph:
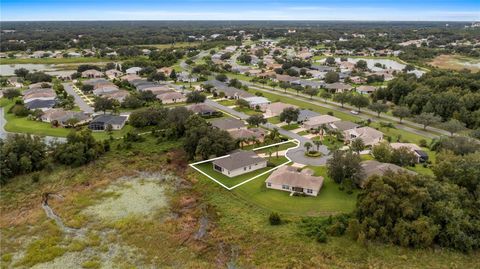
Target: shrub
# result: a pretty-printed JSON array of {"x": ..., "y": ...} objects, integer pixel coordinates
[
  {"x": 321, "y": 236},
  {"x": 422, "y": 143},
  {"x": 274, "y": 219}
]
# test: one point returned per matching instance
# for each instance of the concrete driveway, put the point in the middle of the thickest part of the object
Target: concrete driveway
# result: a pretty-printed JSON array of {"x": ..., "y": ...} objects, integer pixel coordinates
[{"x": 78, "y": 99}]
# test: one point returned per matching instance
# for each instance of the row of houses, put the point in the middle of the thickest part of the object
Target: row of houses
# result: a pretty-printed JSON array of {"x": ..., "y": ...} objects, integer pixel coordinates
[
  {"x": 162, "y": 91},
  {"x": 39, "y": 96}
]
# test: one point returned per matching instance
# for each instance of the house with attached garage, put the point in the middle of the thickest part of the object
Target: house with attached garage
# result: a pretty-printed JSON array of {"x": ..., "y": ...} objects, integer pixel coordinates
[
  {"x": 203, "y": 110},
  {"x": 318, "y": 121},
  {"x": 421, "y": 155},
  {"x": 239, "y": 163},
  {"x": 369, "y": 136},
  {"x": 257, "y": 102},
  {"x": 365, "y": 89},
  {"x": 288, "y": 178},
  {"x": 92, "y": 73},
  {"x": 275, "y": 109},
  {"x": 171, "y": 97},
  {"x": 101, "y": 122},
  {"x": 375, "y": 168},
  {"x": 133, "y": 70},
  {"x": 305, "y": 115},
  {"x": 228, "y": 124}
]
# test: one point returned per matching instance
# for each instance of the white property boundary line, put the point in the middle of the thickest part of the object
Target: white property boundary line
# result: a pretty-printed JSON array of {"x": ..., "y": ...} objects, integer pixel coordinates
[{"x": 250, "y": 179}]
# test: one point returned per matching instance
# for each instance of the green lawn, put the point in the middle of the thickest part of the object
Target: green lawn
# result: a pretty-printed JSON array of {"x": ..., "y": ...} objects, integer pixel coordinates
[
  {"x": 227, "y": 102},
  {"x": 232, "y": 181},
  {"x": 247, "y": 110},
  {"x": 394, "y": 133},
  {"x": 16, "y": 124},
  {"x": 274, "y": 120},
  {"x": 329, "y": 201},
  {"x": 332, "y": 143},
  {"x": 290, "y": 127}
]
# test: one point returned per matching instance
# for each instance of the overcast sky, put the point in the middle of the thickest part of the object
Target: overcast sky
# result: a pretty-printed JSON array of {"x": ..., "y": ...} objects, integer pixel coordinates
[{"x": 399, "y": 10}]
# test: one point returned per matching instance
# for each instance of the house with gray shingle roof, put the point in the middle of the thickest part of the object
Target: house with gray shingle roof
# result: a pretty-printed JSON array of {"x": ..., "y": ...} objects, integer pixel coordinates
[{"x": 239, "y": 163}]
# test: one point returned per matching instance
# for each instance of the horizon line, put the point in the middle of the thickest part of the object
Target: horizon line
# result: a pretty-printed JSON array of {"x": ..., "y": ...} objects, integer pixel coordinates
[{"x": 219, "y": 20}]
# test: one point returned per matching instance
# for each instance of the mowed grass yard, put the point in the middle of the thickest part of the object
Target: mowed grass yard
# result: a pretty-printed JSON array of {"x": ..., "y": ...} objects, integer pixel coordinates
[
  {"x": 329, "y": 201},
  {"x": 16, "y": 124},
  {"x": 232, "y": 181}
]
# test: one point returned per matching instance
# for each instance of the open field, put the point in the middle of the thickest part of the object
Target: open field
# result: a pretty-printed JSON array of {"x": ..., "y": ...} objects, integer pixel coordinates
[
  {"x": 199, "y": 225},
  {"x": 456, "y": 62}
]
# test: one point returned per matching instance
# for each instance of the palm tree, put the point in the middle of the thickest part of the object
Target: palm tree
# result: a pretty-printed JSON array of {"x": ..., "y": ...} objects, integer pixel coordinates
[
  {"x": 317, "y": 143},
  {"x": 308, "y": 146}
]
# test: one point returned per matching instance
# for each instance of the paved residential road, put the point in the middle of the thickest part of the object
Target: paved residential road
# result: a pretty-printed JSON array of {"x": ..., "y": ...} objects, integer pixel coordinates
[
  {"x": 365, "y": 114},
  {"x": 78, "y": 100},
  {"x": 297, "y": 155}
]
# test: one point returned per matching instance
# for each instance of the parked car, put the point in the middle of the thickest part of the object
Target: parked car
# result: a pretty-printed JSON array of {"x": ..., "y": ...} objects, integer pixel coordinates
[{"x": 354, "y": 112}]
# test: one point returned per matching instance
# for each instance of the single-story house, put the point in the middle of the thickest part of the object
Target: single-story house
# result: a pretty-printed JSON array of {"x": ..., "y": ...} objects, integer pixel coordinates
[
  {"x": 171, "y": 97},
  {"x": 166, "y": 70},
  {"x": 257, "y": 133},
  {"x": 338, "y": 87},
  {"x": 365, "y": 89},
  {"x": 287, "y": 178},
  {"x": 113, "y": 73},
  {"x": 372, "y": 167},
  {"x": 61, "y": 116},
  {"x": 305, "y": 115},
  {"x": 101, "y": 122},
  {"x": 130, "y": 77},
  {"x": 275, "y": 109},
  {"x": 318, "y": 121},
  {"x": 342, "y": 126},
  {"x": 39, "y": 94},
  {"x": 118, "y": 95},
  {"x": 421, "y": 155},
  {"x": 257, "y": 101},
  {"x": 239, "y": 163},
  {"x": 40, "y": 104},
  {"x": 358, "y": 80},
  {"x": 285, "y": 78},
  {"x": 104, "y": 89},
  {"x": 228, "y": 124},
  {"x": 203, "y": 110},
  {"x": 40, "y": 85},
  {"x": 230, "y": 92},
  {"x": 311, "y": 83},
  {"x": 133, "y": 70},
  {"x": 92, "y": 73},
  {"x": 14, "y": 81},
  {"x": 369, "y": 136}
]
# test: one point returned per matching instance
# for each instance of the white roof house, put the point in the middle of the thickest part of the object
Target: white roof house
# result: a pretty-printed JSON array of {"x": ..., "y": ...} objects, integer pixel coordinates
[
  {"x": 255, "y": 101},
  {"x": 133, "y": 70}
]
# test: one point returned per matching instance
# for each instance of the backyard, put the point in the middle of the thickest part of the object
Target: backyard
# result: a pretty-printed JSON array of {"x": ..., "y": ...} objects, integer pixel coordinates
[
  {"x": 232, "y": 181},
  {"x": 329, "y": 201}
]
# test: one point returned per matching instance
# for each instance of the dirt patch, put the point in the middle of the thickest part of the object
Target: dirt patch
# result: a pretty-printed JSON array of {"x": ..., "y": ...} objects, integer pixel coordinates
[
  {"x": 131, "y": 197},
  {"x": 456, "y": 62}
]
